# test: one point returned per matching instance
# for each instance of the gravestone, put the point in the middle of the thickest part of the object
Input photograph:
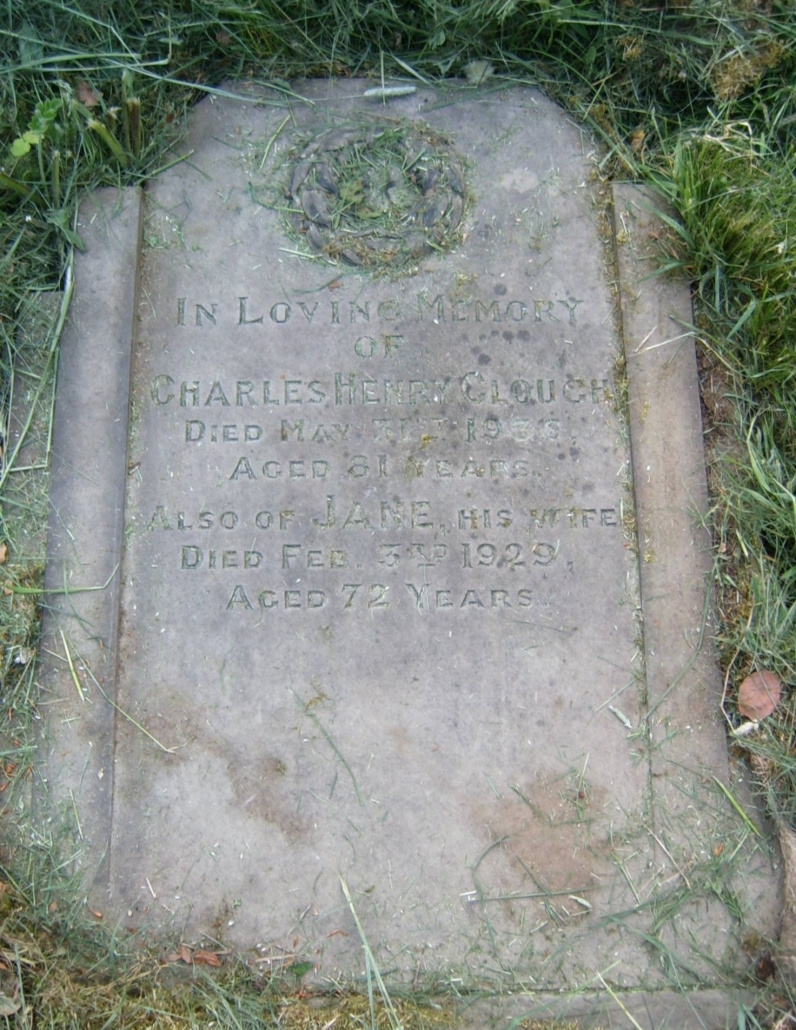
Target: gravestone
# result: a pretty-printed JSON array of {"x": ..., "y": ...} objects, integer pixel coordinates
[{"x": 384, "y": 597}]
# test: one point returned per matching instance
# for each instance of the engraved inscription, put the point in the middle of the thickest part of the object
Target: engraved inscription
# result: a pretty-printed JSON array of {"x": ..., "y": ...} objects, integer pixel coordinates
[
  {"x": 240, "y": 311},
  {"x": 369, "y": 491}
]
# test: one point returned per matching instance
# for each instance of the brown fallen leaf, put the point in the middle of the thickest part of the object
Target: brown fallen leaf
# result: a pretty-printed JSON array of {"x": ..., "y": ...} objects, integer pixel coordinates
[
  {"x": 758, "y": 695},
  {"x": 185, "y": 954},
  {"x": 86, "y": 95},
  {"x": 95, "y": 913},
  {"x": 206, "y": 958},
  {"x": 636, "y": 139},
  {"x": 3, "y": 553}
]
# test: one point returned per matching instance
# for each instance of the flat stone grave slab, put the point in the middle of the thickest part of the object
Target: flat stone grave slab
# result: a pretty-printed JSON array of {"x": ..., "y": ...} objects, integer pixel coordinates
[{"x": 385, "y": 599}]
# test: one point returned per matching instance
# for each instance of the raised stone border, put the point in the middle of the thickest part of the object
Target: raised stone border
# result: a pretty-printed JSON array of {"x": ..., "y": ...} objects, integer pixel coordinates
[
  {"x": 86, "y": 525},
  {"x": 670, "y": 487},
  {"x": 88, "y": 478},
  {"x": 596, "y": 1010}
]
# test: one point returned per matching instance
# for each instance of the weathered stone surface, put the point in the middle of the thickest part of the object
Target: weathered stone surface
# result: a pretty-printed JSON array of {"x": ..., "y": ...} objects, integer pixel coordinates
[
  {"x": 380, "y": 613},
  {"x": 85, "y": 527},
  {"x": 684, "y": 687}
]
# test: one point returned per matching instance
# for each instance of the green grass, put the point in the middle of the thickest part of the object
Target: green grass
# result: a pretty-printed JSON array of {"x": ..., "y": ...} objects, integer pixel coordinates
[{"x": 695, "y": 96}]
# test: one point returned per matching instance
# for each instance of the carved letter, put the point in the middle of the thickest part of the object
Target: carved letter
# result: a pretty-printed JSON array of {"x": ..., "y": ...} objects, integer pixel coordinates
[
  {"x": 242, "y": 319},
  {"x": 239, "y": 597}
]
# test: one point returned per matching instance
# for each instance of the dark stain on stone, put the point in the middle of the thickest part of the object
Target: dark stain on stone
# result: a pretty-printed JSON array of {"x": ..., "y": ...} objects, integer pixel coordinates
[
  {"x": 547, "y": 836},
  {"x": 500, "y": 290},
  {"x": 484, "y": 359},
  {"x": 258, "y": 792}
]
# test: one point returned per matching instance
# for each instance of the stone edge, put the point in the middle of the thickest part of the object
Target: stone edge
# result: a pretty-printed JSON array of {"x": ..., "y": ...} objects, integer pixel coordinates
[
  {"x": 671, "y": 498},
  {"x": 85, "y": 531},
  {"x": 686, "y": 1010},
  {"x": 687, "y": 733}
]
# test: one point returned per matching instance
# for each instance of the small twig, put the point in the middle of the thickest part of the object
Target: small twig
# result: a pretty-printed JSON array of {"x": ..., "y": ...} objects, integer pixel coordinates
[
  {"x": 735, "y": 804},
  {"x": 621, "y": 717},
  {"x": 170, "y": 164},
  {"x": 619, "y": 1003},
  {"x": 310, "y": 714},
  {"x": 392, "y": 1015},
  {"x": 663, "y": 343},
  {"x": 473, "y": 895},
  {"x": 385, "y": 92},
  {"x": 272, "y": 140},
  {"x": 485, "y": 852},
  {"x": 127, "y": 716},
  {"x": 654, "y": 329},
  {"x": 727, "y": 677},
  {"x": 26, "y": 1021},
  {"x": 661, "y": 845},
  {"x": 8, "y": 464},
  {"x": 65, "y": 591},
  {"x": 75, "y": 679},
  {"x": 627, "y": 877},
  {"x": 77, "y": 817}
]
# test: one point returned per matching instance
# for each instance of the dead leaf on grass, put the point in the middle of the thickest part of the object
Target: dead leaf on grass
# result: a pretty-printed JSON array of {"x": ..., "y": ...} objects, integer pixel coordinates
[
  {"x": 758, "y": 695},
  {"x": 206, "y": 958},
  {"x": 3, "y": 553},
  {"x": 636, "y": 139},
  {"x": 185, "y": 954},
  {"x": 86, "y": 95}
]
